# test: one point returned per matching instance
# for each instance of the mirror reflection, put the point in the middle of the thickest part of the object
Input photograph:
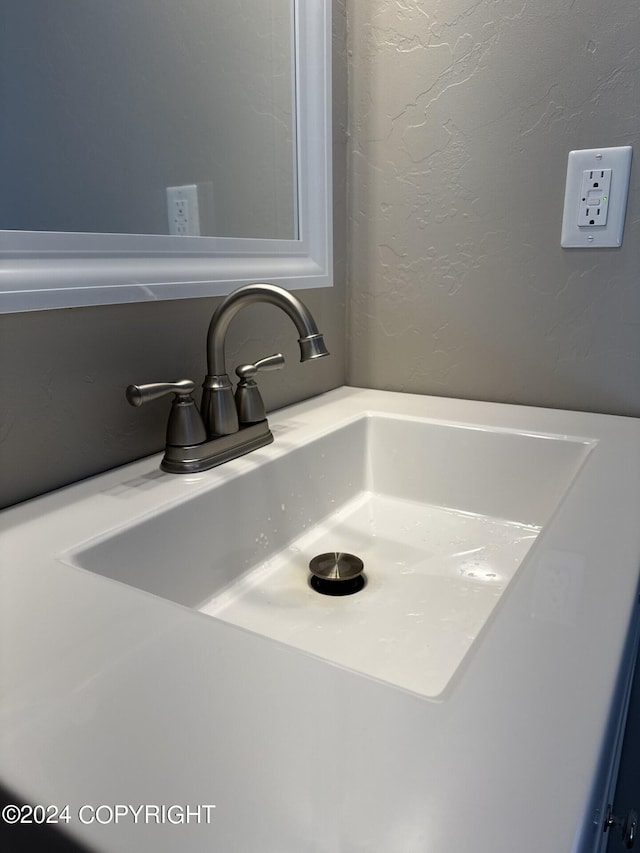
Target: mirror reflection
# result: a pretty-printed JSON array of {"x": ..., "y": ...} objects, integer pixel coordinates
[{"x": 148, "y": 117}]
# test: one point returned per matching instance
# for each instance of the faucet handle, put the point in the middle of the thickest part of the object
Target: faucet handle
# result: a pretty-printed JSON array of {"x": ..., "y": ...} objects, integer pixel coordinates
[
  {"x": 270, "y": 362},
  {"x": 139, "y": 394},
  {"x": 185, "y": 426},
  {"x": 249, "y": 401}
]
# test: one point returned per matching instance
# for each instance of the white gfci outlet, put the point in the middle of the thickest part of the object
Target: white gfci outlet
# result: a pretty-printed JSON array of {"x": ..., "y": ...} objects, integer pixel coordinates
[
  {"x": 595, "y": 197},
  {"x": 183, "y": 211}
]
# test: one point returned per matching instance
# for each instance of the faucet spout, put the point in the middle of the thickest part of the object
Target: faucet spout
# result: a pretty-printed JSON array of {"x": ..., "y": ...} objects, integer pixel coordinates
[
  {"x": 218, "y": 407},
  {"x": 310, "y": 340}
]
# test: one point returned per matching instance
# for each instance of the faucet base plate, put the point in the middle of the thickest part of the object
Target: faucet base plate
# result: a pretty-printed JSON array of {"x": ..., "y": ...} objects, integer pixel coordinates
[{"x": 201, "y": 457}]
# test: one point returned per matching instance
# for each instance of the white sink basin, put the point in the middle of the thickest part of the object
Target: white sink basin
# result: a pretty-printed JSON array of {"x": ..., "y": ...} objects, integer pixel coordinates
[{"x": 442, "y": 514}]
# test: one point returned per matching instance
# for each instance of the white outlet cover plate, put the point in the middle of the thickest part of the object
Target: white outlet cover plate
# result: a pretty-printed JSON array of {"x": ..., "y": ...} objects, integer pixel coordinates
[
  {"x": 599, "y": 236},
  {"x": 189, "y": 224}
]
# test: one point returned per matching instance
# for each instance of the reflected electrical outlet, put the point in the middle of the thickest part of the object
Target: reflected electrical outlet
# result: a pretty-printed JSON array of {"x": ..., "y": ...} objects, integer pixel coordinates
[{"x": 557, "y": 591}]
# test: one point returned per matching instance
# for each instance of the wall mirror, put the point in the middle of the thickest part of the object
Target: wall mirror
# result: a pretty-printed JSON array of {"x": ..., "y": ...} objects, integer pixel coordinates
[{"x": 159, "y": 150}]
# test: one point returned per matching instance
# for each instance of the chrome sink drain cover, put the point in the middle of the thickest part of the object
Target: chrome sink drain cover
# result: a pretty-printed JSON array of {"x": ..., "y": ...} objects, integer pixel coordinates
[
  {"x": 336, "y": 573},
  {"x": 336, "y": 566}
]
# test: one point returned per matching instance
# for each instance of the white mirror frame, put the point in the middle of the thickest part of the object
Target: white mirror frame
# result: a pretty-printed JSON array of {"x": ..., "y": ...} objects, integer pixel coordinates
[{"x": 41, "y": 270}]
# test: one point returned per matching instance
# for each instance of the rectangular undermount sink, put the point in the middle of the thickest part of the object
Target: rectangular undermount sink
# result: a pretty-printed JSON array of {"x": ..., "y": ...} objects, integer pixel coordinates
[{"x": 442, "y": 515}]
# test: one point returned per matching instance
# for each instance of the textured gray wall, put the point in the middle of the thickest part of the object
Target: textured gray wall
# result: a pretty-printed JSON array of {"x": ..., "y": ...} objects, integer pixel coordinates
[
  {"x": 461, "y": 118},
  {"x": 64, "y": 416}
]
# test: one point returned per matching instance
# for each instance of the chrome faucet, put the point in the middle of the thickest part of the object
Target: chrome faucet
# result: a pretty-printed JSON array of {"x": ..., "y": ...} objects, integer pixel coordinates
[
  {"x": 218, "y": 409},
  {"x": 229, "y": 425}
]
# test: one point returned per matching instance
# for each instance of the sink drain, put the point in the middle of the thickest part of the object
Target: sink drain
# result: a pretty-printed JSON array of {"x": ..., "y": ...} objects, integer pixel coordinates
[{"x": 336, "y": 573}]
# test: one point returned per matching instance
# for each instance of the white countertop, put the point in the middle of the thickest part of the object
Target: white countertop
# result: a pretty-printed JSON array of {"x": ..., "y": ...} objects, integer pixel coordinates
[{"x": 113, "y": 696}]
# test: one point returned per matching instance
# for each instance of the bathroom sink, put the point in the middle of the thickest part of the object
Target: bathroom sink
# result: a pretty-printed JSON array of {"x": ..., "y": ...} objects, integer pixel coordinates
[{"x": 442, "y": 514}]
